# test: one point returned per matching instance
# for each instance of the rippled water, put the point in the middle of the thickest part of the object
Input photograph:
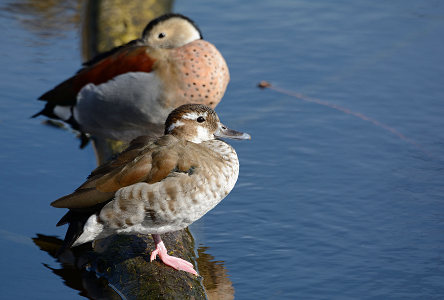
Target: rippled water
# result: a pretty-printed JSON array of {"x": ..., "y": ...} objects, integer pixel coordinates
[{"x": 328, "y": 205}]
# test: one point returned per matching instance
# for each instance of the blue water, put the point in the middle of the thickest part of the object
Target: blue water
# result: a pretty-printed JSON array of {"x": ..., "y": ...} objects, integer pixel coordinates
[{"x": 327, "y": 205}]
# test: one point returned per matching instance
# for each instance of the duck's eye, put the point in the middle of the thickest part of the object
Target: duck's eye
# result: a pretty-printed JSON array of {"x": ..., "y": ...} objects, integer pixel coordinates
[
  {"x": 200, "y": 119},
  {"x": 161, "y": 35}
]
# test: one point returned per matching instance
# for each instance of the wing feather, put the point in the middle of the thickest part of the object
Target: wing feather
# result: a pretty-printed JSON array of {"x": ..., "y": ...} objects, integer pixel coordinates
[
  {"x": 141, "y": 162},
  {"x": 126, "y": 59},
  {"x": 82, "y": 198}
]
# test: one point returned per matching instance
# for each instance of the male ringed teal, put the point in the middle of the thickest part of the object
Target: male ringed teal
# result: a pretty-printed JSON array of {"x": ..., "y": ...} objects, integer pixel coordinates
[
  {"x": 157, "y": 186},
  {"x": 129, "y": 90}
]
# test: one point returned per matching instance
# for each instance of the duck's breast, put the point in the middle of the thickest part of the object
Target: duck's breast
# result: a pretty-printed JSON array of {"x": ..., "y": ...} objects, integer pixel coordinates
[{"x": 178, "y": 200}]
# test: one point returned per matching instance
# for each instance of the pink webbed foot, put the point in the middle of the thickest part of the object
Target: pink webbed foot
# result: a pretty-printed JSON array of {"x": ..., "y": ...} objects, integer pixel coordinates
[{"x": 172, "y": 261}]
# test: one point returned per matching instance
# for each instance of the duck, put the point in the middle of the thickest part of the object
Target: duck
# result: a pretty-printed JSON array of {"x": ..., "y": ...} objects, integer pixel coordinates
[
  {"x": 130, "y": 90},
  {"x": 157, "y": 185}
]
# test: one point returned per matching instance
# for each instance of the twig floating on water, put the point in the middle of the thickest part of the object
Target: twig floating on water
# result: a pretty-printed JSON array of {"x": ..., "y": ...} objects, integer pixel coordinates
[{"x": 265, "y": 84}]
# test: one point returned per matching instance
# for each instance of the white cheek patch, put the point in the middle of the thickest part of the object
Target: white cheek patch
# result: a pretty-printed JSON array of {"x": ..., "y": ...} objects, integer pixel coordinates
[
  {"x": 194, "y": 115},
  {"x": 174, "y": 125},
  {"x": 203, "y": 134}
]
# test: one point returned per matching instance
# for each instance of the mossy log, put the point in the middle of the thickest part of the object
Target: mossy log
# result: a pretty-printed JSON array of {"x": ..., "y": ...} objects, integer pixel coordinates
[{"x": 124, "y": 262}]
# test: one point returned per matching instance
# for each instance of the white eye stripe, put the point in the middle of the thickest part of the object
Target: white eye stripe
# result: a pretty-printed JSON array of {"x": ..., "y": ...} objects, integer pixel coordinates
[
  {"x": 194, "y": 115},
  {"x": 174, "y": 125}
]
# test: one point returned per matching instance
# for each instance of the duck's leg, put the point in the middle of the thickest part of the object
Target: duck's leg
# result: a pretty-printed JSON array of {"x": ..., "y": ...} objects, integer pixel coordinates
[{"x": 172, "y": 261}]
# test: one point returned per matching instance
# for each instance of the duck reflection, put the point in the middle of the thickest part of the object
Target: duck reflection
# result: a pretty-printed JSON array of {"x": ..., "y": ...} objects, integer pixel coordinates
[{"x": 72, "y": 270}]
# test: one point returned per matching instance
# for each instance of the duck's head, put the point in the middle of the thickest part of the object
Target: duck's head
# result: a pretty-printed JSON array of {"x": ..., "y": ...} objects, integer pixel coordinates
[
  {"x": 198, "y": 123},
  {"x": 170, "y": 31}
]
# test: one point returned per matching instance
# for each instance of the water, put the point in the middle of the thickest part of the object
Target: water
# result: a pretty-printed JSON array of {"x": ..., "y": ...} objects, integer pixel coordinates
[{"x": 327, "y": 205}]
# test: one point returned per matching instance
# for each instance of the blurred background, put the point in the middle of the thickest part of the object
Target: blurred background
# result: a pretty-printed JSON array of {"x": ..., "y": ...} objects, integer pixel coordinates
[{"x": 328, "y": 205}]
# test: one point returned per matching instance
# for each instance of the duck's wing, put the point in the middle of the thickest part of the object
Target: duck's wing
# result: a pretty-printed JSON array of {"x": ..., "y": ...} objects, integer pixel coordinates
[
  {"x": 141, "y": 162},
  {"x": 135, "y": 148},
  {"x": 106, "y": 54},
  {"x": 132, "y": 57}
]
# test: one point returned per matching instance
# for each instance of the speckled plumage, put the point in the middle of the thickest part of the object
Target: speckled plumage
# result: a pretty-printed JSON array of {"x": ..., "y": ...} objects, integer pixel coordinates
[{"x": 157, "y": 186}]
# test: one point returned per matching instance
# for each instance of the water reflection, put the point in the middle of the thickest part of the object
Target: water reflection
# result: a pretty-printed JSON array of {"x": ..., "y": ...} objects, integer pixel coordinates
[
  {"x": 47, "y": 19},
  {"x": 215, "y": 278},
  {"x": 72, "y": 269}
]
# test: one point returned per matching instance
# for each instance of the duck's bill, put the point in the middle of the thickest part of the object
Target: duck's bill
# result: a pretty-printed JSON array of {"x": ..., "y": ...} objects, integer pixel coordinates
[{"x": 225, "y": 132}]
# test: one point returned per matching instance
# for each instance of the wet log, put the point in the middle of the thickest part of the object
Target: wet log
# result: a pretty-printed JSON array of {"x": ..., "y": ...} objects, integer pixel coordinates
[
  {"x": 124, "y": 262},
  {"x": 119, "y": 268}
]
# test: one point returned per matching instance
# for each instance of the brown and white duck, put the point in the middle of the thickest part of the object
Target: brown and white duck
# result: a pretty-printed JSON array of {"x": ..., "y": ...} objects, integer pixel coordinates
[
  {"x": 130, "y": 90},
  {"x": 157, "y": 186}
]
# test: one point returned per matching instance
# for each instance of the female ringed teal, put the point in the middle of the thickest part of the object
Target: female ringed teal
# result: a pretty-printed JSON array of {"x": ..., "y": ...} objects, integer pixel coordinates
[{"x": 157, "y": 186}]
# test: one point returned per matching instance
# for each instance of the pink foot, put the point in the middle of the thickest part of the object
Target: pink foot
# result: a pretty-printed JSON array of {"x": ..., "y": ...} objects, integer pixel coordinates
[{"x": 172, "y": 261}]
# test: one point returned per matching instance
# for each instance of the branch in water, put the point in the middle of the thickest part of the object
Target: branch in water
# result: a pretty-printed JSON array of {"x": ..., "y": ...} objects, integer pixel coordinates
[{"x": 265, "y": 84}]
